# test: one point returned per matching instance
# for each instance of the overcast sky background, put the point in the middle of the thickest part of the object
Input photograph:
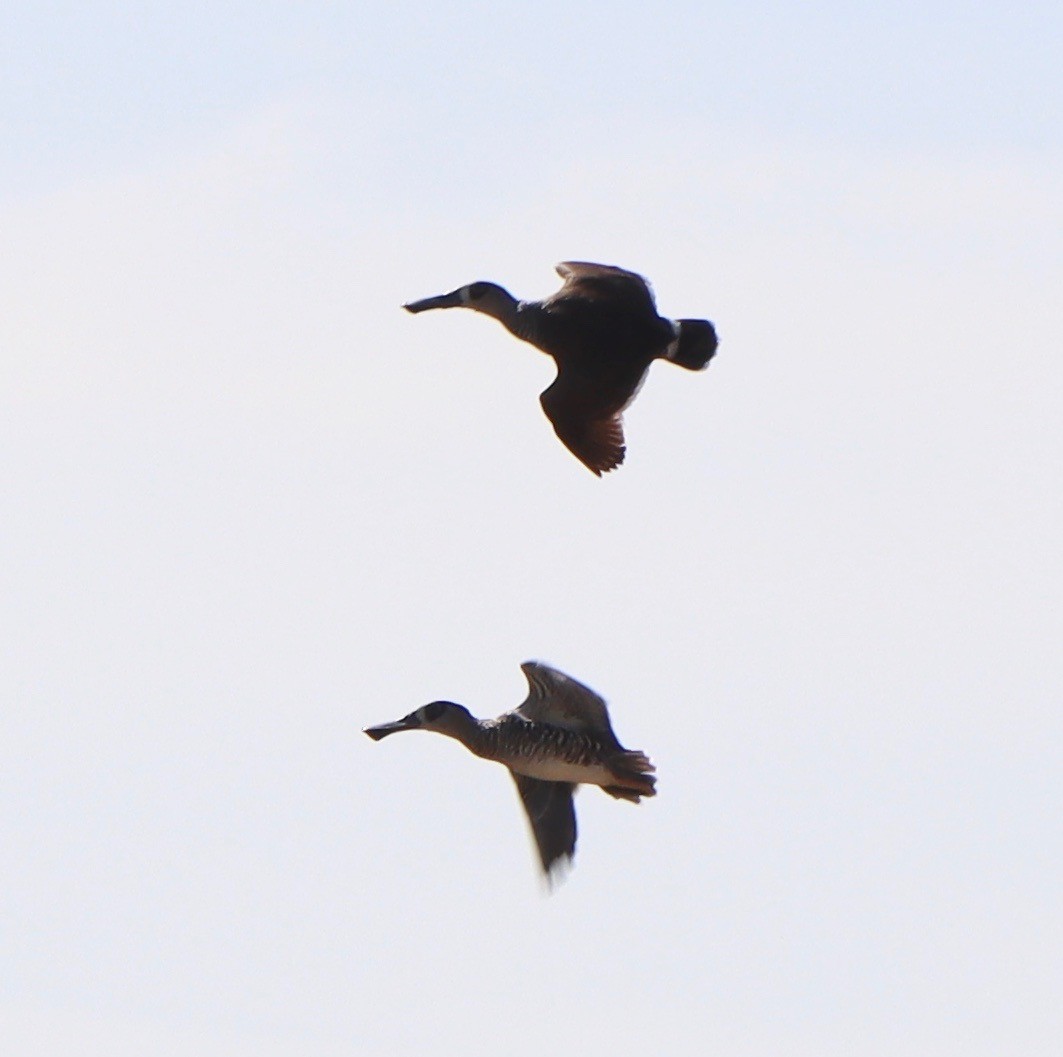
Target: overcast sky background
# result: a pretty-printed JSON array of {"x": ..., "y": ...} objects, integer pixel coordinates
[{"x": 249, "y": 506}]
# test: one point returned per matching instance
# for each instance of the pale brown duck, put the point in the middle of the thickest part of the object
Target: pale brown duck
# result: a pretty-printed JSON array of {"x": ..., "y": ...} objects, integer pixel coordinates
[{"x": 558, "y": 738}]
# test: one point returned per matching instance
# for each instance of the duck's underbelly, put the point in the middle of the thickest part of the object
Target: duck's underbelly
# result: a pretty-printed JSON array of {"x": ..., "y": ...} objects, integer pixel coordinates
[{"x": 560, "y": 771}]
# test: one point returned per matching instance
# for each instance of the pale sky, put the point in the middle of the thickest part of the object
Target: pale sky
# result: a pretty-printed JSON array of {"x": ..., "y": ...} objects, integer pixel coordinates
[{"x": 250, "y": 506}]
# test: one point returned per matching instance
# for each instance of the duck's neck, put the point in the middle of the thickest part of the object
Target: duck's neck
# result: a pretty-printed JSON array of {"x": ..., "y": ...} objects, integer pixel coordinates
[
  {"x": 522, "y": 321},
  {"x": 521, "y": 318},
  {"x": 482, "y": 738},
  {"x": 466, "y": 728},
  {"x": 500, "y": 304}
]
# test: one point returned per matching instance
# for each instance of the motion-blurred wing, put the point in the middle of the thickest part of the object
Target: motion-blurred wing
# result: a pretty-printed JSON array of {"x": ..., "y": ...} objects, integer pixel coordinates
[{"x": 552, "y": 816}]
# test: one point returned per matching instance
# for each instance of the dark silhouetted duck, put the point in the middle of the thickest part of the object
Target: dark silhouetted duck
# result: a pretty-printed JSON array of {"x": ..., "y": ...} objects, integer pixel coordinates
[
  {"x": 557, "y": 739},
  {"x": 603, "y": 331}
]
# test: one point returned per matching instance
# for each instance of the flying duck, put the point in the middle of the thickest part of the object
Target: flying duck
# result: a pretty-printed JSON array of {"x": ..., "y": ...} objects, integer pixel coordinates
[
  {"x": 558, "y": 738},
  {"x": 603, "y": 331}
]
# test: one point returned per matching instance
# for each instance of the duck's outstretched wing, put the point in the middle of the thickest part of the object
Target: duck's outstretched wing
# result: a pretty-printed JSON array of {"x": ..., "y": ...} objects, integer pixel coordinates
[
  {"x": 570, "y": 404},
  {"x": 561, "y": 701},
  {"x": 598, "y": 282},
  {"x": 552, "y": 816}
]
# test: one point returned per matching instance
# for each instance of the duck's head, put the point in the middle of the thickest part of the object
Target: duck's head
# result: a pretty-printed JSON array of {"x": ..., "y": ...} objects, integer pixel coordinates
[
  {"x": 445, "y": 717},
  {"x": 489, "y": 298}
]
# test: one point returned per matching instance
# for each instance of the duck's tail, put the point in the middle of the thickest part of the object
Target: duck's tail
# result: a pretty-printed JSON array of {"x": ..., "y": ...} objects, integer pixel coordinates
[
  {"x": 634, "y": 774},
  {"x": 694, "y": 345}
]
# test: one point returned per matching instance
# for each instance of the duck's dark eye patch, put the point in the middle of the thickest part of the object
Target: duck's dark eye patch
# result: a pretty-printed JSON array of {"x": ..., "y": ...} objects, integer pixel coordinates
[{"x": 433, "y": 711}]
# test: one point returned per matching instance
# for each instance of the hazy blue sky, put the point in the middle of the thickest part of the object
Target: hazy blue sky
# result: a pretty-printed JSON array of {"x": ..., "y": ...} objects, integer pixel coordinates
[{"x": 250, "y": 506}]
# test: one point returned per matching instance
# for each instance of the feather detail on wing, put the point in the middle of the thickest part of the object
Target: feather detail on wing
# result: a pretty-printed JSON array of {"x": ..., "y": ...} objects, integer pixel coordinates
[
  {"x": 561, "y": 701},
  {"x": 604, "y": 282},
  {"x": 597, "y": 441}
]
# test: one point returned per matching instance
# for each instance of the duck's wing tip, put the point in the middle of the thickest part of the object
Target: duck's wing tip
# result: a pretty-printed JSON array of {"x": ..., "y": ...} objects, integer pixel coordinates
[
  {"x": 559, "y": 700},
  {"x": 596, "y": 281},
  {"x": 598, "y": 443},
  {"x": 551, "y": 814},
  {"x": 593, "y": 270}
]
